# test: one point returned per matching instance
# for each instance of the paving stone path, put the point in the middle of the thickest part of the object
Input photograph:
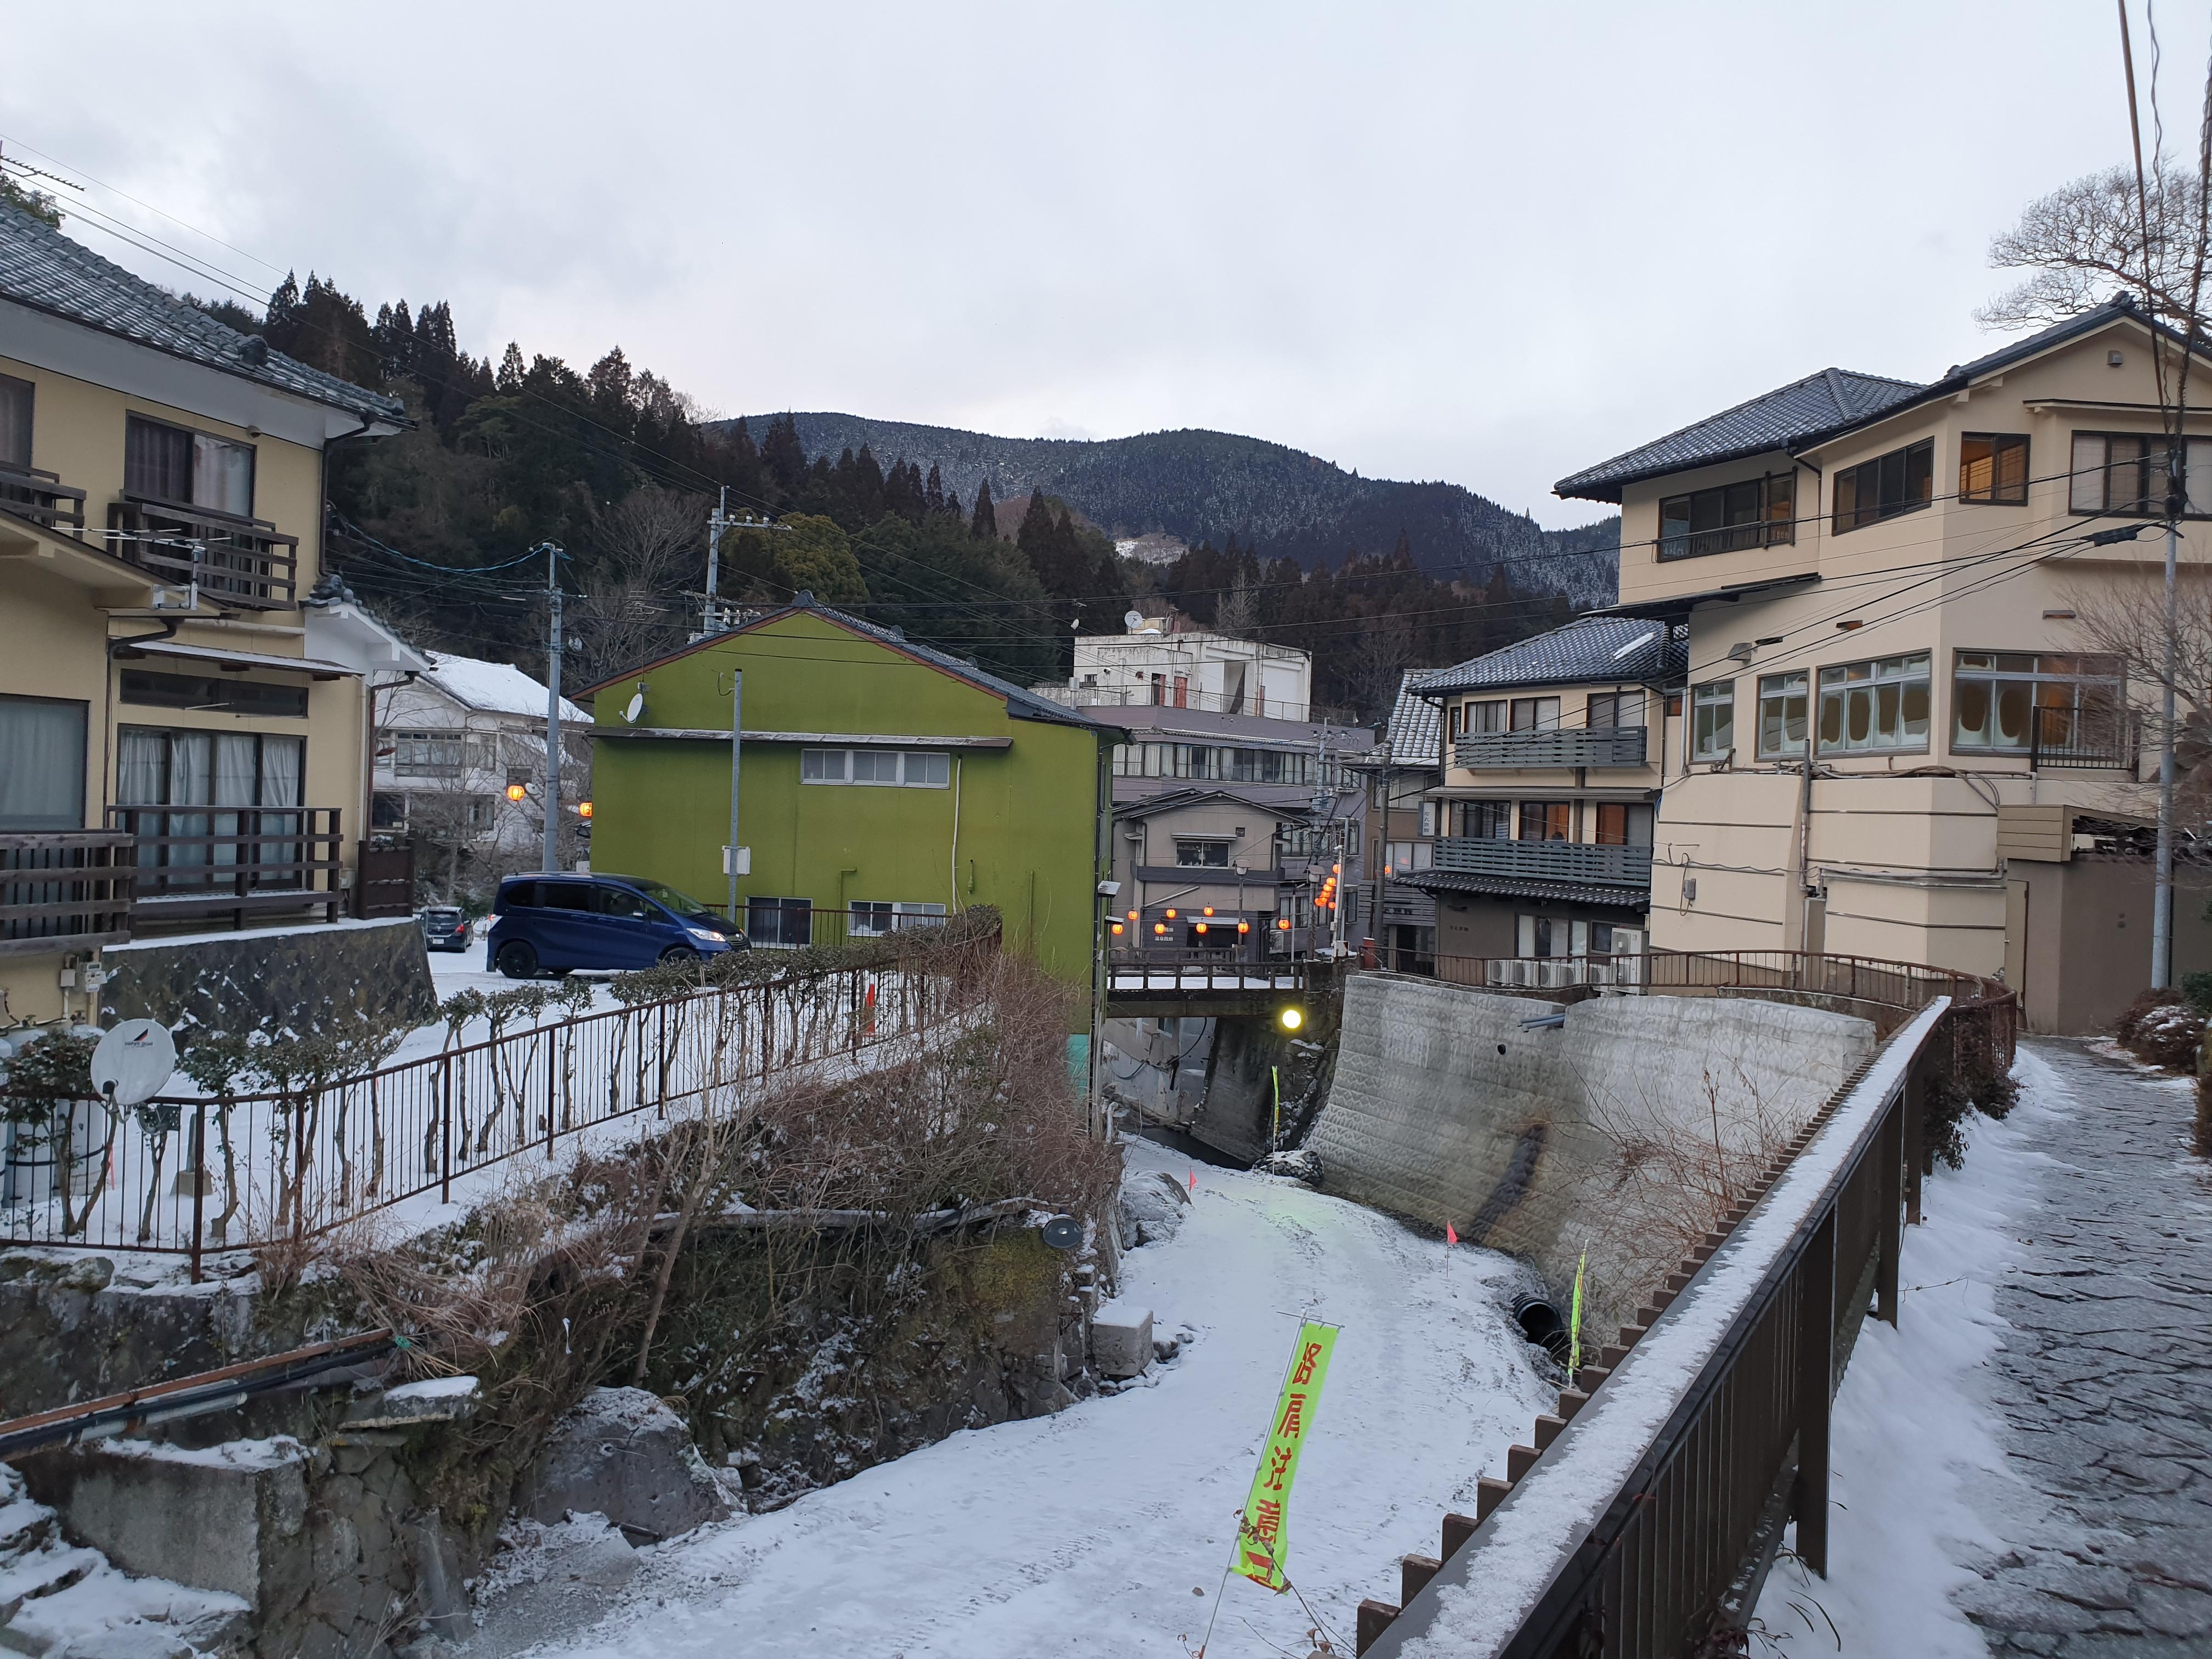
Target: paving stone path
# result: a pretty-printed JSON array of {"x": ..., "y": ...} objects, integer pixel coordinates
[{"x": 2105, "y": 1387}]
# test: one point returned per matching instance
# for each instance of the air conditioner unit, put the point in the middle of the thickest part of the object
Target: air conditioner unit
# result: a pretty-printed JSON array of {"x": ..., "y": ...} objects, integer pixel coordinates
[
  {"x": 1628, "y": 941},
  {"x": 1512, "y": 970},
  {"x": 1553, "y": 973}
]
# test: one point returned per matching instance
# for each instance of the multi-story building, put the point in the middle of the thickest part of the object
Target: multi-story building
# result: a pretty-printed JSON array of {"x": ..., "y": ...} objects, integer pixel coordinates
[
  {"x": 170, "y": 751},
  {"x": 1154, "y": 663},
  {"x": 1552, "y": 751},
  {"x": 1903, "y": 601},
  {"x": 460, "y": 767},
  {"x": 1403, "y": 772}
]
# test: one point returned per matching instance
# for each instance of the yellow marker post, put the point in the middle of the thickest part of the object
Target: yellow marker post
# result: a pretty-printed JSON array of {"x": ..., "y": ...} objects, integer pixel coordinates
[
  {"x": 1575, "y": 1322},
  {"x": 1263, "y": 1535}
]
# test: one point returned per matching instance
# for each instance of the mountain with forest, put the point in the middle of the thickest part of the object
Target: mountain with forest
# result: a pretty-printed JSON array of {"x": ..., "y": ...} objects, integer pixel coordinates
[{"x": 1204, "y": 486}]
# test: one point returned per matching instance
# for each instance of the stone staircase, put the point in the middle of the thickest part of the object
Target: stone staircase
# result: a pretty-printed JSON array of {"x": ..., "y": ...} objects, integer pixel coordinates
[{"x": 60, "y": 1600}]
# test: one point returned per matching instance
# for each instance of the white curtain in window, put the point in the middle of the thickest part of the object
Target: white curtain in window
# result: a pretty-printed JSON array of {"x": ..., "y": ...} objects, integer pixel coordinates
[
  {"x": 192, "y": 783},
  {"x": 142, "y": 766},
  {"x": 223, "y": 475},
  {"x": 41, "y": 762},
  {"x": 232, "y": 786},
  {"x": 280, "y": 771},
  {"x": 16, "y": 431}
]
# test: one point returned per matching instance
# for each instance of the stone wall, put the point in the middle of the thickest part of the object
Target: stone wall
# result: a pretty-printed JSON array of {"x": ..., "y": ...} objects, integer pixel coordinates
[
  {"x": 1446, "y": 1108},
  {"x": 279, "y": 978}
]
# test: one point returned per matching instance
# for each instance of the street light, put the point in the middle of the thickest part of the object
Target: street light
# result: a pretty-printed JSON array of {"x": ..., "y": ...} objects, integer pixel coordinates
[
  {"x": 516, "y": 791},
  {"x": 583, "y": 809},
  {"x": 1291, "y": 1019}
]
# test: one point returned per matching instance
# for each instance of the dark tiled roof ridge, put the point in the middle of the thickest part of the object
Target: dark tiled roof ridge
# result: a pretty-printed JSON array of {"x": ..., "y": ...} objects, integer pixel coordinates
[
  {"x": 1596, "y": 649},
  {"x": 45, "y": 271}
]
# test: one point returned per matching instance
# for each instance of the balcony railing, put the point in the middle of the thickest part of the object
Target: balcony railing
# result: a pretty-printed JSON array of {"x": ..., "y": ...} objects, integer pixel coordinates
[
  {"x": 208, "y": 861},
  {"x": 1596, "y": 746},
  {"x": 65, "y": 890},
  {"x": 1546, "y": 860},
  {"x": 1217, "y": 702},
  {"x": 2087, "y": 738},
  {"x": 233, "y": 561},
  {"x": 42, "y": 497}
]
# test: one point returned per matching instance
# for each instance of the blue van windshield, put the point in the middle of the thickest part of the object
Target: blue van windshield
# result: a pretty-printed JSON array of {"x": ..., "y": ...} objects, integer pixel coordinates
[{"x": 681, "y": 902}]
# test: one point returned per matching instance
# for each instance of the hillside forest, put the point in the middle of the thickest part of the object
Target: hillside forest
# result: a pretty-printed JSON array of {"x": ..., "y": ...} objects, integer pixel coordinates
[{"x": 435, "y": 528}]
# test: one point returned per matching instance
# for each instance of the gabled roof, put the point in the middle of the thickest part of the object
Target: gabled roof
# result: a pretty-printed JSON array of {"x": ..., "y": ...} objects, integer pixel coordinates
[
  {"x": 1814, "y": 407},
  {"x": 43, "y": 269},
  {"x": 494, "y": 688},
  {"x": 1020, "y": 704},
  {"x": 1173, "y": 800},
  {"x": 1412, "y": 737},
  {"x": 1590, "y": 650}
]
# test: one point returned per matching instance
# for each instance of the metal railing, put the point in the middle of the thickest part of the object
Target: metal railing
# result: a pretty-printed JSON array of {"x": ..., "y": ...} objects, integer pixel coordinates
[
  {"x": 1217, "y": 702},
  {"x": 65, "y": 890},
  {"x": 232, "y": 561},
  {"x": 183, "y": 1175},
  {"x": 40, "y": 496},
  {"x": 1592, "y": 746},
  {"x": 1546, "y": 861},
  {"x": 1658, "y": 1539},
  {"x": 205, "y": 860},
  {"x": 2083, "y": 739}
]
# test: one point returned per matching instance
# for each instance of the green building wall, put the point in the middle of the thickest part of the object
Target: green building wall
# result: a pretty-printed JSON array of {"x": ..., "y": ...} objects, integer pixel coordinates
[{"x": 1019, "y": 827}]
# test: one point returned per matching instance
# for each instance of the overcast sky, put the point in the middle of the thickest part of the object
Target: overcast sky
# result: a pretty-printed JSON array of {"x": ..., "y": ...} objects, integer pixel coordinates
[{"x": 1486, "y": 243}]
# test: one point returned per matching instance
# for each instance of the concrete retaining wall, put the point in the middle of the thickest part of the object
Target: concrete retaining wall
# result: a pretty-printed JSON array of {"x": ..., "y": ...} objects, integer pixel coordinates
[{"x": 1598, "y": 1132}]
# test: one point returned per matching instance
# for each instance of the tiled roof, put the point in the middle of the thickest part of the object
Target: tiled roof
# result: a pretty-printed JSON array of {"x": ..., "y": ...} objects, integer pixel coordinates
[
  {"x": 1565, "y": 893},
  {"x": 1595, "y": 650},
  {"x": 43, "y": 269},
  {"x": 1820, "y": 404},
  {"x": 1412, "y": 739}
]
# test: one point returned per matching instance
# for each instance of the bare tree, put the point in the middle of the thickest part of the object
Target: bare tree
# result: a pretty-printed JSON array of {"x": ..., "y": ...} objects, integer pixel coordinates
[
  {"x": 2085, "y": 242},
  {"x": 648, "y": 548},
  {"x": 1237, "y": 614},
  {"x": 2126, "y": 621}
]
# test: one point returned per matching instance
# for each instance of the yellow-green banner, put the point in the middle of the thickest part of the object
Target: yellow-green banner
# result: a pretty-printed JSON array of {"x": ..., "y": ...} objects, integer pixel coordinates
[{"x": 1263, "y": 1536}]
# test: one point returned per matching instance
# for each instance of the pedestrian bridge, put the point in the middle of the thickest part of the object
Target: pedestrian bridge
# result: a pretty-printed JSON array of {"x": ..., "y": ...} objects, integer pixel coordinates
[{"x": 1161, "y": 983}]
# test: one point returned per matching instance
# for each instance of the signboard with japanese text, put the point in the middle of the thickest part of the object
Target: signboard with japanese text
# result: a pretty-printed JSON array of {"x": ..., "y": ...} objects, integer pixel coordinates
[{"x": 1263, "y": 1535}]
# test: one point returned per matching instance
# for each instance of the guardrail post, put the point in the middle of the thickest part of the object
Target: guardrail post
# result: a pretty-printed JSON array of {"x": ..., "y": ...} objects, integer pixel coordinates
[
  {"x": 1816, "y": 1344},
  {"x": 1916, "y": 1127},
  {"x": 552, "y": 1083},
  {"x": 1889, "y": 1230},
  {"x": 200, "y": 1180},
  {"x": 445, "y": 1133}
]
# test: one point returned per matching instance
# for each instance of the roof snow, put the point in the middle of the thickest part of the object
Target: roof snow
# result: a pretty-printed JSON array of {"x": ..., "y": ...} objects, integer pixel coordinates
[{"x": 494, "y": 688}]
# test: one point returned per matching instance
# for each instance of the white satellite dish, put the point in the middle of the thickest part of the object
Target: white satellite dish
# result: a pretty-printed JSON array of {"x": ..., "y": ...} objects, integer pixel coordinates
[
  {"x": 1133, "y": 621},
  {"x": 636, "y": 708},
  {"x": 133, "y": 1062}
]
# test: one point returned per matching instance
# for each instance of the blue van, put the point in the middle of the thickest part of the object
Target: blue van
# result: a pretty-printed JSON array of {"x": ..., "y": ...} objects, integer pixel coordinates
[{"x": 550, "y": 923}]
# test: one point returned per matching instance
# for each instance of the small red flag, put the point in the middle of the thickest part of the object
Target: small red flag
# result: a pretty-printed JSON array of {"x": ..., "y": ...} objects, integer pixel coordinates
[
  {"x": 1193, "y": 1180},
  {"x": 1451, "y": 1234}
]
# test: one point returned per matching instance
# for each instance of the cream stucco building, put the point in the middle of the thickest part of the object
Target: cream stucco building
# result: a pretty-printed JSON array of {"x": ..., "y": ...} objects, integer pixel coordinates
[
  {"x": 172, "y": 754},
  {"x": 1894, "y": 575}
]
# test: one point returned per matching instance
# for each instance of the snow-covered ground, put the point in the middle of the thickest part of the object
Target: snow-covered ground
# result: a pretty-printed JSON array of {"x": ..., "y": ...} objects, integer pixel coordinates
[
  {"x": 1919, "y": 1485},
  {"x": 1104, "y": 1529}
]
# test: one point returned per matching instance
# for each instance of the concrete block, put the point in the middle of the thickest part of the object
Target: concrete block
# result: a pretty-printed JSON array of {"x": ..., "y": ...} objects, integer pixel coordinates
[
  {"x": 1121, "y": 1339},
  {"x": 414, "y": 1404},
  {"x": 624, "y": 1454}
]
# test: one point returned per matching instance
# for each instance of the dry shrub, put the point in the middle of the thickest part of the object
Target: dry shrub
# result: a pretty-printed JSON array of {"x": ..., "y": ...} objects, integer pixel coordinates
[
  {"x": 592, "y": 1275},
  {"x": 2160, "y": 1029}
]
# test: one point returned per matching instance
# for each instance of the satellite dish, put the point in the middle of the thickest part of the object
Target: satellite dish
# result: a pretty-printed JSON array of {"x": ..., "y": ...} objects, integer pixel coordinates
[
  {"x": 133, "y": 1061},
  {"x": 636, "y": 708},
  {"x": 1133, "y": 621},
  {"x": 1063, "y": 1233}
]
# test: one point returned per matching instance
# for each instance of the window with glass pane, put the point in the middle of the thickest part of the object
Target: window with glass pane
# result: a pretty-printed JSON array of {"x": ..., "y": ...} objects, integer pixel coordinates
[
  {"x": 1728, "y": 518},
  {"x": 1621, "y": 823},
  {"x": 1993, "y": 468},
  {"x": 1712, "y": 720},
  {"x": 822, "y": 765},
  {"x": 1903, "y": 480},
  {"x": 169, "y": 464},
  {"x": 1203, "y": 853},
  {"x": 1546, "y": 820},
  {"x": 780, "y": 922},
  {"x": 16, "y": 426},
  {"x": 2123, "y": 475},
  {"x": 1875, "y": 706},
  {"x": 1782, "y": 715},
  {"x": 1535, "y": 714},
  {"x": 1612, "y": 709},
  {"x": 1485, "y": 717},
  {"x": 2054, "y": 703},
  {"x": 1487, "y": 820},
  {"x": 42, "y": 757}
]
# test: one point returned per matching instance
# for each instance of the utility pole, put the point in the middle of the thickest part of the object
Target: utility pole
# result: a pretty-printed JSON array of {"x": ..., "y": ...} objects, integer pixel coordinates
[
  {"x": 551, "y": 860},
  {"x": 736, "y": 750},
  {"x": 717, "y": 522},
  {"x": 2161, "y": 908}
]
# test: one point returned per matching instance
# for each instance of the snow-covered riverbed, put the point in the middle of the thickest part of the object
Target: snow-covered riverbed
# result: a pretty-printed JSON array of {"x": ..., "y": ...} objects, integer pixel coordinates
[{"x": 1088, "y": 1532}]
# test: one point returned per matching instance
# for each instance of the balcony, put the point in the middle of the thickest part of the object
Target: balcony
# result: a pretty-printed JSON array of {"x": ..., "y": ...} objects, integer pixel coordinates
[
  {"x": 1248, "y": 701},
  {"x": 236, "y": 563},
  {"x": 41, "y": 497},
  {"x": 1570, "y": 861},
  {"x": 206, "y": 860},
  {"x": 1595, "y": 746},
  {"x": 65, "y": 890}
]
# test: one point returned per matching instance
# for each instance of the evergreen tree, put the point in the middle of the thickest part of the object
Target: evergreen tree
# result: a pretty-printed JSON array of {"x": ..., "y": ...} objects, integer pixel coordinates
[
  {"x": 509, "y": 377},
  {"x": 985, "y": 524},
  {"x": 932, "y": 491},
  {"x": 784, "y": 458}
]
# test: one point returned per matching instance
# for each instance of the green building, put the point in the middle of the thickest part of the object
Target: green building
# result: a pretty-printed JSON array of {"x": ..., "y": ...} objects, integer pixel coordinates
[{"x": 880, "y": 780}]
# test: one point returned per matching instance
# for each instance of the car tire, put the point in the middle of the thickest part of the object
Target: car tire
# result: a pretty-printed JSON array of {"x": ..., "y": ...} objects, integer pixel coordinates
[
  {"x": 518, "y": 960},
  {"x": 677, "y": 953}
]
